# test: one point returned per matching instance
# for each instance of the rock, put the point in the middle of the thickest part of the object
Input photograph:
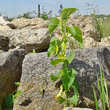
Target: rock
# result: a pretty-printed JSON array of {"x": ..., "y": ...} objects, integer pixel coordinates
[
  {"x": 5, "y": 27},
  {"x": 89, "y": 42},
  {"x": 91, "y": 32},
  {"x": 69, "y": 108},
  {"x": 4, "y": 43},
  {"x": 28, "y": 39},
  {"x": 104, "y": 41},
  {"x": 10, "y": 72},
  {"x": 4, "y": 21},
  {"x": 72, "y": 43},
  {"x": 34, "y": 23},
  {"x": 36, "y": 72},
  {"x": 87, "y": 25},
  {"x": 4, "y": 17}
]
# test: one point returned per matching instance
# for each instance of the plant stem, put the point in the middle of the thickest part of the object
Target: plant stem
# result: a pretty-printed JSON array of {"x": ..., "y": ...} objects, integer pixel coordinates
[{"x": 67, "y": 98}]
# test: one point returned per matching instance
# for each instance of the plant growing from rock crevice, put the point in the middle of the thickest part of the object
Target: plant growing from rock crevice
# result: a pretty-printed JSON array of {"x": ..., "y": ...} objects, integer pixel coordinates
[
  {"x": 57, "y": 48},
  {"x": 103, "y": 92},
  {"x": 10, "y": 98}
]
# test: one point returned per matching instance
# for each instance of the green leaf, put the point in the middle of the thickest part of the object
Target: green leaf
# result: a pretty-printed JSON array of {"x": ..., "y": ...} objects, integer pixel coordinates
[
  {"x": 57, "y": 61},
  {"x": 95, "y": 97},
  {"x": 17, "y": 94},
  {"x": 74, "y": 99},
  {"x": 76, "y": 87},
  {"x": 103, "y": 90},
  {"x": 61, "y": 100},
  {"x": 99, "y": 88},
  {"x": 17, "y": 83},
  {"x": 54, "y": 38},
  {"x": 106, "y": 95},
  {"x": 67, "y": 29},
  {"x": 54, "y": 47},
  {"x": 66, "y": 12},
  {"x": 50, "y": 49},
  {"x": 71, "y": 57},
  {"x": 76, "y": 33},
  {"x": 68, "y": 78},
  {"x": 54, "y": 22},
  {"x": 0, "y": 107},
  {"x": 54, "y": 78},
  {"x": 9, "y": 102},
  {"x": 9, "y": 109}
]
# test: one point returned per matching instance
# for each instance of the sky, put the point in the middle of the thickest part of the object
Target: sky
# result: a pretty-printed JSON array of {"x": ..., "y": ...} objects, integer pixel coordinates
[{"x": 14, "y": 8}]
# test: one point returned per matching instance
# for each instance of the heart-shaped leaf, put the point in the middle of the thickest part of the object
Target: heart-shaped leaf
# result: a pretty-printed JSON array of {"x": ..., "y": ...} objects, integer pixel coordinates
[
  {"x": 54, "y": 22},
  {"x": 76, "y": 87},
  {"x": 66, "y": 12},
  {"x": 70, "y": 57},
  {"x": 68, "y": 79},
  {"x": 74, "y": 99},
  {"x": 76, "y": 33},
  {"x": 57, "y": 61},
  {"x": 61, "y": 100},
  {"x": 54, "y": 78}
]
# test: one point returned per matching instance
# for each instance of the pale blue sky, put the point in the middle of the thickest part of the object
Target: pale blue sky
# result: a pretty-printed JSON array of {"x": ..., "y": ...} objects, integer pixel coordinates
[{"x": 18, "y": 7}]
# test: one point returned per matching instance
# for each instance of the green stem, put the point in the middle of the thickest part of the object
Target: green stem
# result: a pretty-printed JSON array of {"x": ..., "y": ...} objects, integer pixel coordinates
[
  {"x": 62, "y": 26},
  {"x": 67, "y": 99}
]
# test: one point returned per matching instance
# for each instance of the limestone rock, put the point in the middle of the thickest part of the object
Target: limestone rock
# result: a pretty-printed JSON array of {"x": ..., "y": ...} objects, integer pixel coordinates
[
  {"x": 91, "y": 32},
  {"x": 4, "y": 17},
  {"x": 10, "y": 72},
  {"x": 5, "y": 27},
  {"x": 4, "y": 43},
  {"x": 104, "y": 41},
  {"x": 87, "y": 25},
  {"x": 28, "y": 39},
  {"x": 4, "y": 21},
  {"x": 72, "y": 43},
  {"x": 34, "y": 23},
  {"x": 89, "y": 42},
  {"x": 69, "y": 108},
  {"x": 36, "y": 71}
]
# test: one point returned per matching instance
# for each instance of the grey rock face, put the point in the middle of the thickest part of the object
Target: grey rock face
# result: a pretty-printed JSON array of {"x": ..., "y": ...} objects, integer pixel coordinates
[
  {"x": 28, "y": 39},
  {"x": 87, "y": 64},
  {"x": 69, "y": 108},
  {"x": 4, "y": 43},
  {"x": 10, "y": 71}
]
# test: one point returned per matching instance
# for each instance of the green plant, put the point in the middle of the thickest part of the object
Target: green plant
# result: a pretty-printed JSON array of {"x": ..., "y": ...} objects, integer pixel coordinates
[
  {"x": 34, "y": 51},
  {"x": 103, "y": 91},
  {"x": 11, "y": 19},
  {"x": 57, "y": 48},
  {"x": 0, "y": 107},
  {"x": 98, "y": 24},
  {"x": 10, "y": 98},
  {"x": 26, "y": 15},
  {"x": 44, "y": 15}
]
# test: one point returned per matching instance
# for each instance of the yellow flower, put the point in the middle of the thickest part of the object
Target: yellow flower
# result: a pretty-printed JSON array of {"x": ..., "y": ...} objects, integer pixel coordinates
[
  {"x": 63, "y": 94},
  {"x": 56, "y": 49},
  {"x": 59, "y": 94},
  {"x": 62, "y": 56},
  {"x": 63, "y": 45}
]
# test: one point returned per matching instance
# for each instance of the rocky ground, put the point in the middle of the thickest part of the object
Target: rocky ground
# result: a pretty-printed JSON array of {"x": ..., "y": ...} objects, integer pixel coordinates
[{"x": 17, "y": 62}]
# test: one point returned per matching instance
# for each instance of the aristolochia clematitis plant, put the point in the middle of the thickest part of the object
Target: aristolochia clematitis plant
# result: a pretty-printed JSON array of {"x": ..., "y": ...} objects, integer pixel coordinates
[{"x": 57, "y": 48}]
